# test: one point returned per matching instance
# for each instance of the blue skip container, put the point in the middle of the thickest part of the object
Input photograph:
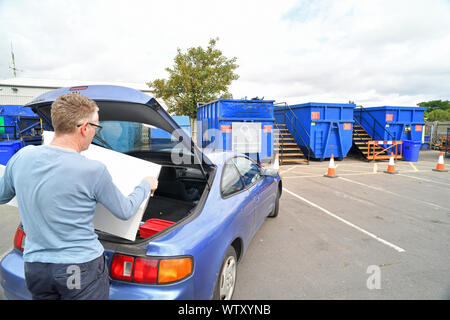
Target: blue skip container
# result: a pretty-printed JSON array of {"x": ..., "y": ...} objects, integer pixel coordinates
[
  {"x": 411, "y": 150},
  {"x": 392, "y": 123},
  {"x": 160, "y": 139},
  {"x": 325, "y": 128},
  {"x": 8, "y": 148},
  {"x": 244, "y": 126}
]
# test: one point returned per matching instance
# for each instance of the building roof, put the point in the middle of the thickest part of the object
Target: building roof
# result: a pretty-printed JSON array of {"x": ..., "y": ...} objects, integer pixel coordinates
[{"x": 59, "y": 83}]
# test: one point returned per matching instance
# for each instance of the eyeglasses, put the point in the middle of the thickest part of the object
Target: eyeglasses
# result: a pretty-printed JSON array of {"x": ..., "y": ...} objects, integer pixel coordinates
[{"x": 97, "y": 127}]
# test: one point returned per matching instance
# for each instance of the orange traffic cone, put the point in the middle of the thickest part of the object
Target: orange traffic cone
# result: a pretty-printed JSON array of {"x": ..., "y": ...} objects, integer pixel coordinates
[
  {"x": 331, "y": 169},
  {"x": 391, "y": 166},
  {"x": 440, "y": 164}
]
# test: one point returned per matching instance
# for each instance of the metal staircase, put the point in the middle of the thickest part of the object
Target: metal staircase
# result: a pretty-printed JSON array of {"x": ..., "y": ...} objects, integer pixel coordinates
[
  {"x": 374, "y": 149},
  {"x": 361, "y": 140},
  {"x": 286, "y": 147}
]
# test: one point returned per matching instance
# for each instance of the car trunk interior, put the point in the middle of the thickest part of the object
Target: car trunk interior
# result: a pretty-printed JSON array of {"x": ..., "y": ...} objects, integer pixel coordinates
[{"x": 181, "y": 191}]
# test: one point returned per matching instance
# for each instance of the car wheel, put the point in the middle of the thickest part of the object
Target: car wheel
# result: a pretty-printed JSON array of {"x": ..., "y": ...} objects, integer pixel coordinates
[
  {"x": 226, "y": 281},
  {"x": 276, "y": 208}
]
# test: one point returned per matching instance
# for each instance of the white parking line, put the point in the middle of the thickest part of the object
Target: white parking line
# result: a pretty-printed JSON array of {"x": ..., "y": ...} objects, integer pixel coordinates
[
  {"x": 346, "y": 222},
  {"x": 321, "y": 175},
  {"x": 287, "y": 170},
  {"x": 445, "y": 184},
  {"x": 413, "y": 166},
  {"x": 395, "y": 194}
]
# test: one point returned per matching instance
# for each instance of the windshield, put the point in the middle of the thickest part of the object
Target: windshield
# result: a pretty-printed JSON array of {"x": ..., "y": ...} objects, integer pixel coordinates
[{"x": 125, "y": 137}]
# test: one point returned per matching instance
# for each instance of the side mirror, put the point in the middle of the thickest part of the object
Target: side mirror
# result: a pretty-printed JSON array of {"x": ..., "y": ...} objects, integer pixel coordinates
[{"x": 269, "y": 172}]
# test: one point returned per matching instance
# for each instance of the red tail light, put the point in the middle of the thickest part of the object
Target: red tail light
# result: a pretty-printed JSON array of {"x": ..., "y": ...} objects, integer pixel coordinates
[
  {"x": 150, "y": 270},
  {"x": 19, "y": 239},
  {"x": 145, "y": 270},
  {"x": 122, "y": 267}
]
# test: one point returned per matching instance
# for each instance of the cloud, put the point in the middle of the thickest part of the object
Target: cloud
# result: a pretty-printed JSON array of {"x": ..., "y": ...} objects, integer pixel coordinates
[{"x": 372, "y": 52}]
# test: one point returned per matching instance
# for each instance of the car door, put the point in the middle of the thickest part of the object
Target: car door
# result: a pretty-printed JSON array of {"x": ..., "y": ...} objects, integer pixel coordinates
[
  {"x": 235, "y": 195},
  {"x": 258, "y": 188}
]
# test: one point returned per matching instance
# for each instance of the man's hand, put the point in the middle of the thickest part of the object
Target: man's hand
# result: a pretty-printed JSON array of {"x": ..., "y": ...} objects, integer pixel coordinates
[{"x": 153, "y": 183}]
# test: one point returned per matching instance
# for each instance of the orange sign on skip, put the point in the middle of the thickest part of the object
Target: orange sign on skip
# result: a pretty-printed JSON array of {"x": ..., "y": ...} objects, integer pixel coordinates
[{"x": 226, "y": 128}]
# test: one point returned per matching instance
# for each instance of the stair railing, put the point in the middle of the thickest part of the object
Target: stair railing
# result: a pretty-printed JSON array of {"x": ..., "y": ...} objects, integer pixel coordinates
[
  {"x": 375, "y": 122},
  {"x": 372, "y": 147},
  {"x": 289, "y": 114}
]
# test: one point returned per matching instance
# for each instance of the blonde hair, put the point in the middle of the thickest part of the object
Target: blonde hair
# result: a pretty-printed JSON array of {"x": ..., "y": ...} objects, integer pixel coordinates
[{"x": 70, "y": 110}]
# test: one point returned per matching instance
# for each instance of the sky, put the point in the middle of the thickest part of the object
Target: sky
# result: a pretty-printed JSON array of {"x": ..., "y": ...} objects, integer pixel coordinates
[{"x": 372, "y": 52}]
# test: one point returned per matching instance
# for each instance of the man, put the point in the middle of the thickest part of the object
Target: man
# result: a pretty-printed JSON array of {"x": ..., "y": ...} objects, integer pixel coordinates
[{"x": 57, "y": 190}]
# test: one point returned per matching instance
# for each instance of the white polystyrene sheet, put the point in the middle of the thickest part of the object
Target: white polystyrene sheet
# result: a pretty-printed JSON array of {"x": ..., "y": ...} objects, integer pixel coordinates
[{"x": 126, "y": 172}]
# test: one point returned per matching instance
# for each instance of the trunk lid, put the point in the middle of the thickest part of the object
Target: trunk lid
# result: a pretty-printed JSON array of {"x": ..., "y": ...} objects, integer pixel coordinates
[{"x": 118, "y": 103}]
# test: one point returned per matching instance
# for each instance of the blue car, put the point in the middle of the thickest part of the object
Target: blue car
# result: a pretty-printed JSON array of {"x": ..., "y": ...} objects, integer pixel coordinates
[{"x": 211, "y": 204}]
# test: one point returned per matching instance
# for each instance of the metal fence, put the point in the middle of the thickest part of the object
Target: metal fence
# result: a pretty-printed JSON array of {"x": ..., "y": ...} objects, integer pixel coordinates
[{"x": 436, "y": 130}]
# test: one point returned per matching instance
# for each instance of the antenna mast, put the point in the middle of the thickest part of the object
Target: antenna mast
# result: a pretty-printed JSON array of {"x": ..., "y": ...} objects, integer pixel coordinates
[{"x": 13, "y": 62}]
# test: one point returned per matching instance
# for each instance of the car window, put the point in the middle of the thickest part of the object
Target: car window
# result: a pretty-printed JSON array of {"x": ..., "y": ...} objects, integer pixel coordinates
[
  {"x": 231, "y": 180},
  {"x": 124, "y": 136},
  {"x": 248, "y": 169}
]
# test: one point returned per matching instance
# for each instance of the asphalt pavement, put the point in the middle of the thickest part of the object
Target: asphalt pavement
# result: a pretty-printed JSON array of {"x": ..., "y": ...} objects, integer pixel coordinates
[{"x": 363, "y": 235}]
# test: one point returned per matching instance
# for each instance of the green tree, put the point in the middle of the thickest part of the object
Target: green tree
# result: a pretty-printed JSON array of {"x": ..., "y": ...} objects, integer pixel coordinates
[
  {"x": 438, "y": 115},
  {"x": 435, "y": 104},
  {"x": 437, "y": 110},
  {"x": 199, "y": 75}
]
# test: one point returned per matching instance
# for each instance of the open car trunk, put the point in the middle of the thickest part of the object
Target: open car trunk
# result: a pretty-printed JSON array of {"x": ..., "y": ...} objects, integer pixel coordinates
[{"x": 181, "y": 192}]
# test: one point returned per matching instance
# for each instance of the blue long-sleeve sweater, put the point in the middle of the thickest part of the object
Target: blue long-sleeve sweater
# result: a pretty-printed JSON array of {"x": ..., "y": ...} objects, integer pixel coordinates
[{"x": 57, "y": 191}]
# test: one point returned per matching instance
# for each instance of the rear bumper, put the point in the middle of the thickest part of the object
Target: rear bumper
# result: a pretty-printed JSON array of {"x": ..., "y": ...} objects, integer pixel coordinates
[
  {"x": 12, "y": 280},
  {"x": 12, "y": 277},
  {"x": 129, "y": 291}
]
